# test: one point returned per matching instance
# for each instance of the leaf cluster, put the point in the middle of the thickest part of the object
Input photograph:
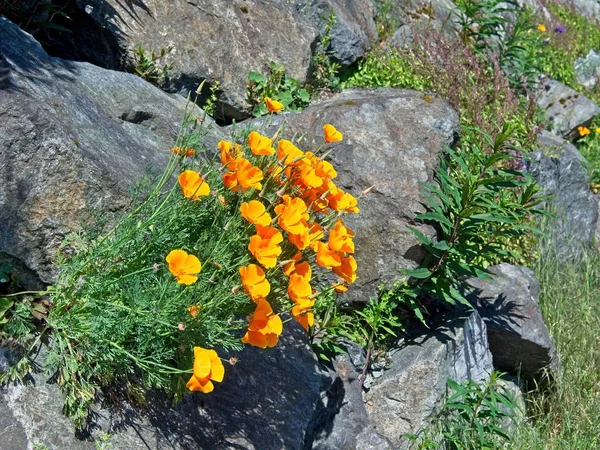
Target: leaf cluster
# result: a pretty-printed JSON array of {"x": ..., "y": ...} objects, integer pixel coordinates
[
  {"x": 278, "y": 86},
  {"x": 147, "y": 65},
  {"x": 325, "y": 71}
]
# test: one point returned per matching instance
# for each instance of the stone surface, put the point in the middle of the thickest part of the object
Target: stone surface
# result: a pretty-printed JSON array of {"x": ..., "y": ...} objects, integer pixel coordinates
[
  {"x": 73, "y": 139},
  {"x": 411, "y": 390},
  {"x": 392, "y": 141},
  {"x": 216, "y": 40},
  {"x": 417, "y": 16},
  {"x": 589, "y": 9},
  {"x": 518, "y": 337},
  {"x": 265, "y": 402},
  {"x": 353, "y": 32},
  {"x": 566, "y": 108},
  {"x": 557, "y": 167},
  {"x": 587, "y": 70},
  {"x": 341, "y": 420}
]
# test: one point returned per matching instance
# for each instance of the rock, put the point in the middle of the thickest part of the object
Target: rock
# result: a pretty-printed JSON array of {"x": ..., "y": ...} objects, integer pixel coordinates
[
  {"x": 341, "y": 420},
  {"x": 587, "y": 70},
  {"x": 414, "y": 386},
  {"x": 73, "y": 139},
  {"x": 557, "y": 168},
  {"x": 566, "y": 108},
  {"x": 519, "y": 339},
  {"x": 216, "y": 40},
  {"x": 511, "y": 387},
  {"x": 265, "y": 402},
  {"x": 392, "y": 142},
  {"x": 418, "y": 16},
  {"x": 353, "y": 32},
  {"x": 590, "y": 9}
]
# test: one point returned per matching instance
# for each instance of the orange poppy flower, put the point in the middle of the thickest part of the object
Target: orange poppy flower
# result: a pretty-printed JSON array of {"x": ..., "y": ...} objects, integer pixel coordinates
[
  {"x": 194, "y": 310},
  {"x": 347, "y": 269},
  {"x": 308, "y": 175},
  {"x": 264, "y": 328},
  {"x": 299, "y": 288},
  {"x": 288, "y": 269},
  {"x": 244, "y": 177},
  {"x": 264, "y": 245},
  {"x": 331, "y": 134},
  {"x": 324, "y": 169},
  {"x": 302, "y": 312},
  {"x": 340, "y": 238},
  {"x": 229, "y": 152},
  {"x": 326, "y": 257},
  {"x": 340, "y": 288},
  {"x": 343, "y": 201},
  {"x": 288, "y": 153},
  {"x": 273, "y": 105},
  {"x": 292, "y": 215},
  {"x": 260, "y": 145},
  {"x": 255, "y": 213},
  {"x": 301, "y": 241},
  {"x": 207, "y": 368},
  {"x": 254, "y": 281},
  {"x": 193, "y": 185},
  {"x": 184, "y": 266},
  {"x": 185, "y": 151},
  {"x": 583, "y": 131}
]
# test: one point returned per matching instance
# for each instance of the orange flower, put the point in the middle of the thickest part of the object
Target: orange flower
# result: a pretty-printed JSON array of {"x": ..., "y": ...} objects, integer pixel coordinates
[
  {"x": 273, "y": 105},
  {"x": 260, "y": 145},
  {"x": 583, "y": 131},
  {"x": 324, "y": 169},
  {"x": 288, "y": 269},
  {"x": 347, "y": 269},
  {"x": 331, "y": 134},
  {"x": 193, "y": 185},
  {"x": 264, "y": 328},
  {"x": 299, "y": 288},
  {"x": 326, "y": 257},
  {"x": 340, "y": 288},
  {"x": 302, "y": 312},
  {"x": 342, "y": 201},
  {"x": 207, "y": 368},
  {"x": 340, "y": 238},
  {"x": 312, "y": 234},
  {"x": 194, "y": 310},
  {"x": 255, "y": 213},
  {"x": 184, "y": 266},
  {"x": 287, "y": 152},
  {"x": 308, "y": 175},
  {"x": 244, "y": 177},
  {"x": 229, "y": 153},
  {"x": 292, "y": 215},
  {"x": 186, "y": 151},
  {"x": 254, "y": 281},
  {"x": 264, "y": 245}
]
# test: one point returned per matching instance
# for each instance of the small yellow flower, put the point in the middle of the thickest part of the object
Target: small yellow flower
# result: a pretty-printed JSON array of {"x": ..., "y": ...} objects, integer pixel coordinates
[
  {"x": 583, "y": 131},
  {"x": 273, "y": 105},
  {"x": 542, "y": 28},
  {"x": 598, "y": 130}
]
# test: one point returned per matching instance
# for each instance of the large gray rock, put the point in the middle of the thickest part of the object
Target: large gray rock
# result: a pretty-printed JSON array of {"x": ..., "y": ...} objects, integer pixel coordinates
[
  {"x": 589, "y": 9},
  {"x": 587, "y": 70},
  {"x": 414, "y": 386},
  {"x": 73, "y": 139},
  {"x": 519, "y": 339},
  {"x": 265, "y": 402},
  {"x": 353, "y": 32},
  {"x": 557, "y": 168},
  {"x": 566, "y": 108},
  {"x": 216, "y": 40},
  {"x": 392, "y": 142}
]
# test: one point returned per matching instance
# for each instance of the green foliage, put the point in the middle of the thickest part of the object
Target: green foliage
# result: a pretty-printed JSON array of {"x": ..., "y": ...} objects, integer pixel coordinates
[
  {"x": 479, "y": 206},
  {"x": 589, "y": 146},
  {"x": 278, "y": 86},
  {"x": 482, "y": 22},
  {"x": 473, "y": 417},
  {"x": 387, "y": 20},
  {"x": 210, "y": 104},
  {"x": 325, "y": 71},
  {"x": 26, "y": 17},
  {"x": 147, "y": 66}
]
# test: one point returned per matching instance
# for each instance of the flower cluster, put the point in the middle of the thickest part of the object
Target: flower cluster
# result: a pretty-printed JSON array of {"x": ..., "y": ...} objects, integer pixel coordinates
[{"x": 293, "y": 210}]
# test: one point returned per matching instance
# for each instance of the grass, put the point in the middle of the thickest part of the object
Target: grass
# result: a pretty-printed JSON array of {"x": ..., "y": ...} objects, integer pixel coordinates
[{"x": 569, "y": 417}]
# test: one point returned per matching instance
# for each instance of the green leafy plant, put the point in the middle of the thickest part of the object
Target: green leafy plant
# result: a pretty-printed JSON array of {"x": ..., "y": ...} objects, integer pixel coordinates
[
  {"x": 474, "y": 416},
  {"x": 33, "y": 17},
  {"x": 589, "y": 146},
  {"x": 278, "y": 86},
  {"x": 147, "y": 66},
  {"x": 479, "y": 207},
  {"x": 325, "y": 70}
]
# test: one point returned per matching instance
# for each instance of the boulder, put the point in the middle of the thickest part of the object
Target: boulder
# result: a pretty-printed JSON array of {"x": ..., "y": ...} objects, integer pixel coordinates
[
  {"x": 354, "y": 28},
  {"x": 557, "y": 168},
  {"x": 265, "y": 402},
  {"x": 565, "y": 108},
  {"x": 590, "y": 9},
  {"x": 214, "y": 40},
  {"x": 392, "y": 142},
  {"x": 414, "y": 386},
  {"x": 518, "y": 337},
  {"x": 73, "y": 139},
  {"x": 587, "y": 70}
]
